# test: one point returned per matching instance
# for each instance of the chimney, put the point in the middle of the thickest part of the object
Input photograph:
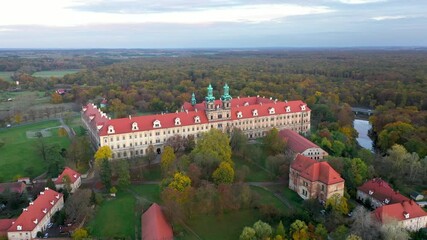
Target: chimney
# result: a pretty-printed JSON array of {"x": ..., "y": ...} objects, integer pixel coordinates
[
  {"x": 46, "y": 188},
  {"x": 130, "y": 116}
]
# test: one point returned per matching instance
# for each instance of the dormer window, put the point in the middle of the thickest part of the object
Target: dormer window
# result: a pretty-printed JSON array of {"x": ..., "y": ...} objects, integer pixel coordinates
[
  {"x": 197, "y": 119},
  {"x": 386, "y": 201},
  {"x": 288, "y": 109},
  {"x": 177, "y": 121},
  {"x": 84, "y": 109},
  {"x": 91, "y": 117},
  {"x": 371, "y": 192},
  {"x": 135, "y": 126},
  {"x": 111, "y": 129},
  {"x": 156, "y": 124},
  {"x": 255, "y": 112},
  {"x": 98, "y": 127},
  {"x": 239, "y": 115},
  {"x": 406, "y": 215},
  {"x": 36, "y": 221},
  {"x": 19, "y": 227},
  {"x": 303, "y": 107},
  {"x": 271, "y": 111},
  {"x": 246, "y": 104},
  {"x": 44, "y": 211},
  {"x": 52, "y": 202}
]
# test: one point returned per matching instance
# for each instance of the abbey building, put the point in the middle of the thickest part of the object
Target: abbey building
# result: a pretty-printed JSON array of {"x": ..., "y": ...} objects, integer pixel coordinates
[{"x": 255, "y": 116}]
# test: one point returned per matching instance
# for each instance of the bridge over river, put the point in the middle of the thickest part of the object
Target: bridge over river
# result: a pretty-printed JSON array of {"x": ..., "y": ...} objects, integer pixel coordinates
[{"x": 362, "y": 111}]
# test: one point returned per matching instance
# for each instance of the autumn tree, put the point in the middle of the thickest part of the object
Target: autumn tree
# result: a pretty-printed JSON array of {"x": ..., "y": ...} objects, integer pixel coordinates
[
  {"x": 263, "y": 230},
  {"x": 56, "y": 98},
  {"x": 273, "y": 143},
  {"x": 177, "y": 142},
  {"x": 299, "y": 230},
  {"x": 80, "y": 234},
  {"x": 167, "y": 160},
  {"x": 392, "y": 230},
  {"x": 337, "y": 203},
  {"x": 364, "y": 225},
  {"x": 213, "y": 144},
  {"x": 224, "y": 173},
  {"x": 248, "y": 233},
  {"x": 62, "y": 132},
  {"x": 77, "y": 206},
  {"x": 151, "y": 154},
  {"x": 103, "y": 153}
]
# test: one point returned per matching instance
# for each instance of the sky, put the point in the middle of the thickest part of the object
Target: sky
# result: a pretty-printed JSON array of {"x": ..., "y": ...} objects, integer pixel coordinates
[{"x": 212, "y": 23}]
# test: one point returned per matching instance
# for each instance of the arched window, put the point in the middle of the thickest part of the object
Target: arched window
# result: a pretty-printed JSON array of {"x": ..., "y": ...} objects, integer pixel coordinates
[
  {"x": 135, "y": 126},
  {"x": 156, "y": 124},
  {"x": 111, "y": 129}
]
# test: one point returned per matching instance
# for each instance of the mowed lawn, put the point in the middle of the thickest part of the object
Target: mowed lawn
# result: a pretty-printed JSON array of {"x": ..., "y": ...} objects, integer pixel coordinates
[
  {"x": 56, "y": 73},
  {"x": 121, "y": 216},
  {"x": 19, "y": 157}
]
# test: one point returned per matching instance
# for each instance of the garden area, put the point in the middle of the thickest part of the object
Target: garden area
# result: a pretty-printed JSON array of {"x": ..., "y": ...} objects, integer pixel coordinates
[{"x": 19, "y": 155}]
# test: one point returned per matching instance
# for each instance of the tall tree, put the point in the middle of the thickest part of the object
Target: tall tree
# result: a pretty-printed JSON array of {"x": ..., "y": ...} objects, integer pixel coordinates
[
  {"x": 167, "y": 160},
  {"x": 105, "y": 173},
  {"x": 224, "y": 173},
  {"x": 337, "y": 203},
  {"x": 123, "y": 173},
  {"x": 103, "y": 153},
  {"x": 214, "y": 144},
  {"x": 273, "y": 143},
  {"x": 299, "y": 230},
  {"x": 263, "y": 230}
]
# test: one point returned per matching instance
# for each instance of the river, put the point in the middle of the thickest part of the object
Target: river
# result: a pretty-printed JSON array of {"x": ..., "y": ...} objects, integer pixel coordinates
[{"x": 362, "y": 127}]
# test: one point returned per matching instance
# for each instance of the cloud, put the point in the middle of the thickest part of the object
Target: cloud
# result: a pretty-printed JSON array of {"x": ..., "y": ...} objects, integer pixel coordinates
[
  {"x": 360, "y": 1},
  {"x": 382, "y": 18},
  {"x": 62, "y": 13}
]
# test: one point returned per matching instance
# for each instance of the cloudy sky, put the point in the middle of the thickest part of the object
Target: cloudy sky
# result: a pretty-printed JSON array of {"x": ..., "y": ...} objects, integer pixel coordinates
[{"x": 211, "y": 23}]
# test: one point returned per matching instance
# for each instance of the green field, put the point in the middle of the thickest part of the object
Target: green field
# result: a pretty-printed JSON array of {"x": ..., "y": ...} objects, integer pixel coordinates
[
  {"x": 6, "y": 76},
  {"x": 56, "y": 73},
  {"x": 256, "y": 173},
  {"x": 121, "y": 216},
  {"x": 18, "y": 157}
]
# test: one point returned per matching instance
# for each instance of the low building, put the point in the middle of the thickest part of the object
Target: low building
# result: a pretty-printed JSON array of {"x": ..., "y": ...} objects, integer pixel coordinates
[
  {"x": 407, "y": 213},
  {"x": 73, "y": 176},
  {"x": 379, "y": 193},
  {"x": 416, "y": 196},
  {"x": 299, "y": 144},
  {"x": 4, "y": 226},
  {"x": 313, "y": 179},
  {"x": 36, "y": 217},
  {"x": 14, "y": 187},
  {"x": 154, "y": 225}
]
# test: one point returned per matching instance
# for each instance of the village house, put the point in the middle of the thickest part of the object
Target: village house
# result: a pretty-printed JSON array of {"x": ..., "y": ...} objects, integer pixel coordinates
[
  {"x": 74, "y": 178},
  {"x": 313, "y": 179},
  {"x": 407, "y": 213},
  {"x": 299, "y": 144},
  {"x": 36, "y": 217},
  {"x": 255, "y": 116},
  {"x": 14, "y": 187},
  {"x": 378, "y": 193},
  {"x": 154, "y": 225}
]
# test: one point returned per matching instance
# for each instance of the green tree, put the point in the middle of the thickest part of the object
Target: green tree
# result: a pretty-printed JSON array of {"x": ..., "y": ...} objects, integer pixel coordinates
[
  {"x": 248, "y": 233},
  {"x": 80, "y": 234},
  {"x": 340, "y": 233},
  {"x": 238, "y": 141},
  {"x": 337, "y": 203},
  {"x": 299, "y": 230},
  {"x": 151, "y": 154},
  {"x": 355, "y": 237},
  {"x": 338, "y": 148},
  {"x": 224, "y": 173},
  {"x": 358, "y": 171},
  {"x": 103, "y": 153},
  {"x": 167, "y": 160},
  {"x": 123, "y": 173},
  {"x": 105, "y": 173},
  {"x": 280, "y": 230},
  {"x": 50, "y": 184},
  {"x": 214, "y": 144},
  {"x": 263, "y": 230},
  {"x": 321, "y": 232},
  {"x": 273, "y": 143}
]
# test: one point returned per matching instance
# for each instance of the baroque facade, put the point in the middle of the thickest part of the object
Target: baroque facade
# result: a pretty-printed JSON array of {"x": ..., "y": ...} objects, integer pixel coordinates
[{"x": 255, "y": 116}]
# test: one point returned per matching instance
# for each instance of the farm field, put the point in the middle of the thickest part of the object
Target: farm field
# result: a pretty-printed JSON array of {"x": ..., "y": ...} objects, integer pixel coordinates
[
  {"x": 18, "y": 156},
  {"x": 6, "y": 76},
  {"x": 56, "y": 73}
]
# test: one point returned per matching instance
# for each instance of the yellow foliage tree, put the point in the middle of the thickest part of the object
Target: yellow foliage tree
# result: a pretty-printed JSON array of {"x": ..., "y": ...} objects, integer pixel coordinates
[
  {"x": 168, "y": 158},
  {"x": 337, "y": 203},
  {"x": 79, "y": 234},
  {"x": 56, "y": 98},
  {"x": 224, "y": 173},
  {"x": 180, "y": 182},
  {"x": 103, "y": 153}
]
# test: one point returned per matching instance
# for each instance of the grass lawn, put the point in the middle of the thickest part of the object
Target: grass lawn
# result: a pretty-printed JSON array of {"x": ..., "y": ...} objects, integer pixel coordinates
[
  {"x": 18, "y": 156},
  {"x": 56, "y": 73},
  {"x": 121, "y": 216},
  {"x": 256, "y": 173},
  {"x": 6, "y": 76},
  {"x": 268, "y": 198},
  {"x": 153, "y": 173},
  {"x": 292, "y": 197},
  {"x": 226, "y": 226}
]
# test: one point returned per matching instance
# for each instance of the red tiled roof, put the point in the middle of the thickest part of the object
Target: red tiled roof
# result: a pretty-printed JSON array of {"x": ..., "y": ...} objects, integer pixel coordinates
[
  {"x": 296, "y": 142},
  {"x": 5, "y": 224},
  {"x": 381, "y": 190},
  {"x": 399, "y": 210},
  {"x": 73, "y": 175},
  {"x": 35, "y": 211},
  {"x": 17, "y": 187},
  {"x": 124, "y": 125},
  {"x": 315, "y": 171},
  {"x": 154, "y": 225}
]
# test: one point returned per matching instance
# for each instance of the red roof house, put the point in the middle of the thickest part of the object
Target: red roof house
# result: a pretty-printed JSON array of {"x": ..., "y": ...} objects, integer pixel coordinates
[
  {"x": 74, "y": 176},
  {"x": 154, "y": 225},
  {"x": 379, "y": 192},
  {"x": 5, "y": 225},
  {"x": 407, "y": 213},
  {"x": 299, "y": 144},
  {"x": 16, "y": 187},
  {"x": 36, "y": 216},
  {"x": 313, "y": 179}
]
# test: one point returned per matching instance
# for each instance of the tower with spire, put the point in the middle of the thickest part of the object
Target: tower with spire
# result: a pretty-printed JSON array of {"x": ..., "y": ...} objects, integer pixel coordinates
[
  {"x": 193, "y": 99},
  {"x": 219, "y": 110},
  {"x": 226, "y": 97},
  {"x": 210, "y": 99}
]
